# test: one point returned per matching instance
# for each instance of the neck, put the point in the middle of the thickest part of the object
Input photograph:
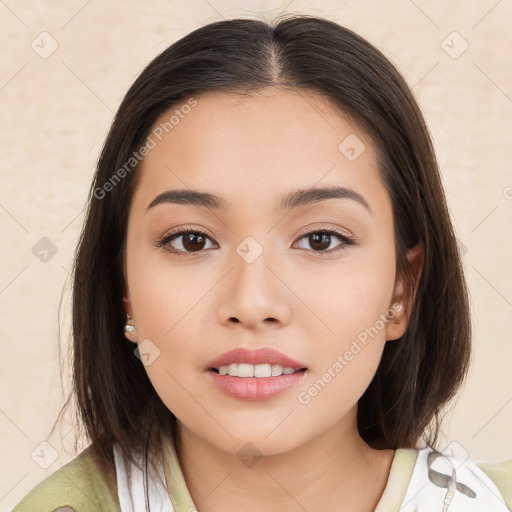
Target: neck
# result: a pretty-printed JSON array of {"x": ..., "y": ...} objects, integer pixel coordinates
[{"x": 337, "y": 471}]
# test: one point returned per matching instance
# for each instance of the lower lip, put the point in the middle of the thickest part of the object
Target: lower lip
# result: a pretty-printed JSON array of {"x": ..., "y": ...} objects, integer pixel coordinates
[{"x": 255, "y": 388}]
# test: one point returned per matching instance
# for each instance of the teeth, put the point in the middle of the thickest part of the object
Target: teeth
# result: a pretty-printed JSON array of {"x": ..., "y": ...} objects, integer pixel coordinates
[{"x": 251, "y": 370}]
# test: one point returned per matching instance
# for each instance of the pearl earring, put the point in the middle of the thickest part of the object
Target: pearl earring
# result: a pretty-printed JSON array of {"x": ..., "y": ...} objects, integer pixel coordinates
[{"x": 128, "y": 327}]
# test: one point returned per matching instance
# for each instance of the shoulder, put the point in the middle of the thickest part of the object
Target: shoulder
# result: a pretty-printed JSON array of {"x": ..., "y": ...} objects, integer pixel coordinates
[
  {"x": 501, "y": 474},
  {"x": 442, "y": 479},
  {"x": 80, "y": 485}
]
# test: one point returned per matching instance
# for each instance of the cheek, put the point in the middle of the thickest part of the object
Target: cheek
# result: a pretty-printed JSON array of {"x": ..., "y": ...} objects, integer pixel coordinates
[
  {"x": 165, "y": 296},
  {"x": 348, "y": 328},
  {"x": 349, "y": 353},
  {"x": 347, "y": 301},
  {"x": 171, "y": 318}
]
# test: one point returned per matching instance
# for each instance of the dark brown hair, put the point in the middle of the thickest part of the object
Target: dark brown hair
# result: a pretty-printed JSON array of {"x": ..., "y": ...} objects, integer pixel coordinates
[{"x": 420, "y": 372}]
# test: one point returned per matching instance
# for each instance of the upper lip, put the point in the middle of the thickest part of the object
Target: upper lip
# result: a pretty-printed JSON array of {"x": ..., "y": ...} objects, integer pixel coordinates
[{"x": 265, "y": 355}]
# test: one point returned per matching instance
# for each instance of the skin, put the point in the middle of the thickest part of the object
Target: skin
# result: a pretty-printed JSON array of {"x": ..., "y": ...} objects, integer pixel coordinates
[{"x": 252, "y": 151}]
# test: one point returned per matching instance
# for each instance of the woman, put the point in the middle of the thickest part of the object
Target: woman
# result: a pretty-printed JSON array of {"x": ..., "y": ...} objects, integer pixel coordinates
[{"x": 269, "y": 306}]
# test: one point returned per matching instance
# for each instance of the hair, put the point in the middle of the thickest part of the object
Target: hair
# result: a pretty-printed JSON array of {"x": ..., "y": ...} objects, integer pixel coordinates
[{"x": 420, "y": 372}]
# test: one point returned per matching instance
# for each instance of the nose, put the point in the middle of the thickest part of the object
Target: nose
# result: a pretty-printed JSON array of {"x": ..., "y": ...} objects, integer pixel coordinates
[{"x": 254, "y": 295}]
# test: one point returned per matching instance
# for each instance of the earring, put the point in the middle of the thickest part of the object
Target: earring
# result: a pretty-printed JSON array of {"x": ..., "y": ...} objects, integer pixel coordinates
[
  {"x": 129, "y": 330},
  {"x": 128, "y": 327}
]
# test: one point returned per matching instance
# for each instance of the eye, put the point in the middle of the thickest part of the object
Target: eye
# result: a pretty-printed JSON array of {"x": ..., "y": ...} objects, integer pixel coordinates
[
  {"x": 188, "y": 241},
  {"x": 321, "y": 239}
]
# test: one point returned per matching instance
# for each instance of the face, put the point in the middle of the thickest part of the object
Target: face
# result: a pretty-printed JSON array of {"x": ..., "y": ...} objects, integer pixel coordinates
[{"x": 314, "y": 280}]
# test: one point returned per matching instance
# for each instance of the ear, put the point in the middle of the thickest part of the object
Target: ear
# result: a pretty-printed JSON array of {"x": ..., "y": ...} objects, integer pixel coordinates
[
  {"x": 127, "y": 304},
  {"x": 405, "y": 295}
]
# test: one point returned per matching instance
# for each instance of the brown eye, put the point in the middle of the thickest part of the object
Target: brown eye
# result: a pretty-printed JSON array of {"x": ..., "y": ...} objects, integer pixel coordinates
[
  {"x": 193, "y": 242},
  {"x": 320, "y": 240},
  {"x": 186, "y": 241}
]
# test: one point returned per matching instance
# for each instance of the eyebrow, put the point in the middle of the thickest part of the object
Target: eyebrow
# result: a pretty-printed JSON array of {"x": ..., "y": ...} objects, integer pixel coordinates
[{"x": 294, "y": 199}]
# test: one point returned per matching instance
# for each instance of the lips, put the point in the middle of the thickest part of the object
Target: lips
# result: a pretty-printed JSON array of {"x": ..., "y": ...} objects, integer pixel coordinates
[{"x": 264, "y": 355}]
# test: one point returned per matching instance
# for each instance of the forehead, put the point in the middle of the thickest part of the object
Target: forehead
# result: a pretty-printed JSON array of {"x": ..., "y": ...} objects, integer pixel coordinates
[{"x": 259, "y": 145}]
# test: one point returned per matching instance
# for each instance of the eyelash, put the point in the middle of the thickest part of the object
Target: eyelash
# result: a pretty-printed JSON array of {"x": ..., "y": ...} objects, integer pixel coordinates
[{"x": 166, "y": 239}]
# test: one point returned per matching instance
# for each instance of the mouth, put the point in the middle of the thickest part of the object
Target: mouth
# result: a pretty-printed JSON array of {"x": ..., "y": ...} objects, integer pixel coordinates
[
  {"x": 257, "y": 363},
  {"x": 259, "y": 371},
  {"x": 237, "y": 384},
  {"x": 255, "y": 374}
]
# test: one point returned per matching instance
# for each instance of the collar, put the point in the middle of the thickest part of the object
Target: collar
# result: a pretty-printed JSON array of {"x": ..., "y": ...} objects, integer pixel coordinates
[
  {"x": 396, "y": 487},
  {"x": 178, "y": 491},
  {"x": 419, "y": 481}
]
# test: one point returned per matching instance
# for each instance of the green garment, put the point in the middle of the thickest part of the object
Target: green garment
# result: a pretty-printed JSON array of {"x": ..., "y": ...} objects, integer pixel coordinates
[{"x": 81, "y": 485}]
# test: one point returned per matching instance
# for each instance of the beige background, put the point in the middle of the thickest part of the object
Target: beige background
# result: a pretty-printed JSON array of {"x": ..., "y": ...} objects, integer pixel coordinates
[{"x": 55, "y": 113}]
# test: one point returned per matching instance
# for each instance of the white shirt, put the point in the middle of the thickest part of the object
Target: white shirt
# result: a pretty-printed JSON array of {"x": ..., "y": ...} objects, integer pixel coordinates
[{"x": 130, "y": 486}]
